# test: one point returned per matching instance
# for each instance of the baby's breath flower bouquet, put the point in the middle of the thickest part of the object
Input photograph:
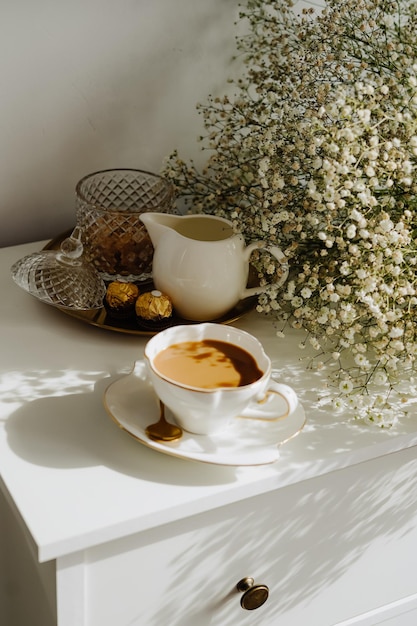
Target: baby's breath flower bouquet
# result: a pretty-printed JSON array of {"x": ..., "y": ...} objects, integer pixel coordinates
[{"x": 316, "y": 152}]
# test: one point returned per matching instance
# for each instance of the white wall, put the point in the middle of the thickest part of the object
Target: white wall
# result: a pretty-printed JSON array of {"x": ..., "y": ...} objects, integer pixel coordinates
[{"x": 92, "y": 84}]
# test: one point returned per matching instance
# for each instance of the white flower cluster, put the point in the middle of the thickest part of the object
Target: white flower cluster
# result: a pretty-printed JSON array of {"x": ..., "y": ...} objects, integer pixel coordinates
[{"x": 317, "y": 153}]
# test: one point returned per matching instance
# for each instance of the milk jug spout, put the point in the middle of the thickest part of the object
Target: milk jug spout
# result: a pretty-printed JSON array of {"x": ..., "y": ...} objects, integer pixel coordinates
[{"x": 157, "y": 224}]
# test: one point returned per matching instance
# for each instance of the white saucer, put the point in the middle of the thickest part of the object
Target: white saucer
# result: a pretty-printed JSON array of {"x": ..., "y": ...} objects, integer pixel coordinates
[{"x": 133, "y": 405}]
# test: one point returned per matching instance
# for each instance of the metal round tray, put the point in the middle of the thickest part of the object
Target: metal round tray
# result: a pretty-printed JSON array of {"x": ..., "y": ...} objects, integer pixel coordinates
[{"x": 101, "y": 319}]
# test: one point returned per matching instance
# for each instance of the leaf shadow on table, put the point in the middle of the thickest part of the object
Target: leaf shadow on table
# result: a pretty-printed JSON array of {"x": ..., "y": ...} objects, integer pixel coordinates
[
  {"x": 61, "y": 423},
  {"x": 58, "y": 420},
  {"x": 310, "y": 537}
]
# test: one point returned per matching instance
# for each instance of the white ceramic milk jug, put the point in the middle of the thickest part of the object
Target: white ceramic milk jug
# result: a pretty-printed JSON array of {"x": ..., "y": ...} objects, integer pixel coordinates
[{"x": 201, "y": 264}]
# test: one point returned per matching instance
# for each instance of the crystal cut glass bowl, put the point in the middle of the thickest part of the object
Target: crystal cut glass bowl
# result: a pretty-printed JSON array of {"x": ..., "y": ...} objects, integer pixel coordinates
[{"x": 108, "y": 206}]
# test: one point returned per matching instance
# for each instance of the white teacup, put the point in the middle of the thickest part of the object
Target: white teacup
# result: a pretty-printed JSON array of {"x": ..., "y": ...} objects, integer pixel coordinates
[{"x": 207, "y": 410}]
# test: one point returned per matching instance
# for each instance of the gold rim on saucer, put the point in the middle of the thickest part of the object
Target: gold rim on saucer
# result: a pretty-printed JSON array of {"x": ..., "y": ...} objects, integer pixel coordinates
[{"x": 131, "y": 403}]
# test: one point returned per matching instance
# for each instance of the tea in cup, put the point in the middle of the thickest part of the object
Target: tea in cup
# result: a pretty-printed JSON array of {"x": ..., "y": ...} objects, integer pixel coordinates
[{"x": 208, "y": 374}]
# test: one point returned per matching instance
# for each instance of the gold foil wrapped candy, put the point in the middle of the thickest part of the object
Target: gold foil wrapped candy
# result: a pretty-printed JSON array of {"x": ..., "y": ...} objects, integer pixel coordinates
[
  {"x": 153, "y": 306},
  {"x": 120, "y": 298}
]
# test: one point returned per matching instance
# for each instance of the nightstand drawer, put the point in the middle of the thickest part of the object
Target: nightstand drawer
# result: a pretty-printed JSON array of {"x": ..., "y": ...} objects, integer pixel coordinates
[{"x": 329, "y": 549}]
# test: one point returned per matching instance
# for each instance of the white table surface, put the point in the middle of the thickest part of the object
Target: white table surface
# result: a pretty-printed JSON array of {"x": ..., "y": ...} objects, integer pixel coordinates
[{"x": 78, "y": 481}]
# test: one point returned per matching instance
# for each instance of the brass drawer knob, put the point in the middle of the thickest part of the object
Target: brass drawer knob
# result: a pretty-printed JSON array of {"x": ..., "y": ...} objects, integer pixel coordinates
[{"x": 253, "y": 596}]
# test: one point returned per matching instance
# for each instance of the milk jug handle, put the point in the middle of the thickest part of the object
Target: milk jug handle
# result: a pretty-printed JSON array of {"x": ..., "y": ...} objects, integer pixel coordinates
[{"x": 280, "y": 257}]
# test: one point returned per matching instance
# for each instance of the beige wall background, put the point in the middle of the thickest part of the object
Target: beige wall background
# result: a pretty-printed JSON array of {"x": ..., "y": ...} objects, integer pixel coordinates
[{"x": 94, "y": 84}]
